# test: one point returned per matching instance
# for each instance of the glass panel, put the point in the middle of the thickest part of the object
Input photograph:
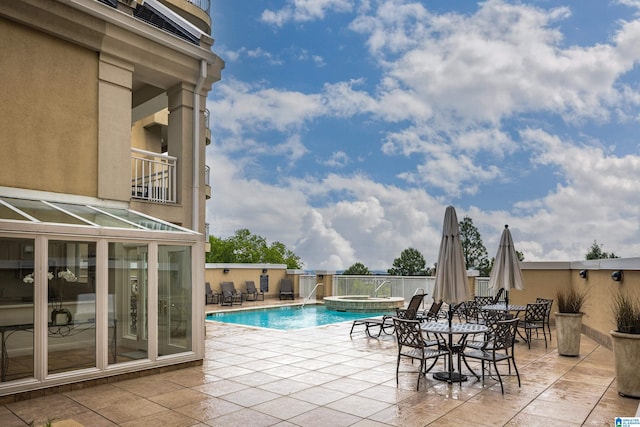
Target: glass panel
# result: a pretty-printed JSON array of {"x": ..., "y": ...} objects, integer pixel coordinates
[
  {"x": 174, "y": 299},
  {"x": 16, "y": 308},
  {"x": 42, "y": 212},
  {"x": 72, "y": 305},
  {"x": 6, "y": 213},
  {"x": 94, "y": 216},
  {"x": 128, "y": 301},
  {"x": 140, "y": 220}
]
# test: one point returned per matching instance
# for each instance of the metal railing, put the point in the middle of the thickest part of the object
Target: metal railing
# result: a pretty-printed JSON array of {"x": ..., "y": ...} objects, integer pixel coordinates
[
  {"x": 202, "y": 4},
  {"x": 482, "y": 287},
  {"x": 153, "y": 176},
  {"x": 394, "y": 286}
]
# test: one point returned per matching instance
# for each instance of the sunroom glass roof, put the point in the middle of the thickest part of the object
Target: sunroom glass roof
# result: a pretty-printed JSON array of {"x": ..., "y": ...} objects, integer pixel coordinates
[{"x": 75, "y": 214}]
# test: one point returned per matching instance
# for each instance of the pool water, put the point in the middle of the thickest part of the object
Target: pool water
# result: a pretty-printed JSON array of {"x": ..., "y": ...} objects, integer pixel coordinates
[{"x": 289, "y": 318}]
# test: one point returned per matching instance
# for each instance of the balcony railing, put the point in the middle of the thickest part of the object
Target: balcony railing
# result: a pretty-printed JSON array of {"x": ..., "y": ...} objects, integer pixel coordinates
[
  {"x": 153, "y": 176},
  {"x": 202, "y": 4}
]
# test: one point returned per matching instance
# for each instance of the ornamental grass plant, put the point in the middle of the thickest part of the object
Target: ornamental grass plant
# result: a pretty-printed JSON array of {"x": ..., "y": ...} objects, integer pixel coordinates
[
  {"x": 626, "y": 313},
  {"x": 571, "y": 300}
]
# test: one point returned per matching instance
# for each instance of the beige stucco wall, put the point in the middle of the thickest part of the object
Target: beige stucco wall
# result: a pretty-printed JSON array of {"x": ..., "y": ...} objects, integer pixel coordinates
[
  {"x": 49, "y": 129},
  {"x": 239, "y": 273}
]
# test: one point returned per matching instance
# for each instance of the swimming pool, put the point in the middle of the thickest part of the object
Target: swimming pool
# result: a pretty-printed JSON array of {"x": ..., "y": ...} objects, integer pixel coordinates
[{"x": 290, "y": 317}]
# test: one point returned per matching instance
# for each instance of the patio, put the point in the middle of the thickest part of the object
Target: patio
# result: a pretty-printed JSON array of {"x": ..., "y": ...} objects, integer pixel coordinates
[{"x": 321, "y": 377}]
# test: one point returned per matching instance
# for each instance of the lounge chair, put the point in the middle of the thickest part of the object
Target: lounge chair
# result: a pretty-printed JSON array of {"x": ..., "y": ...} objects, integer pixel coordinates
[
  {"x": 286, "y": 288},
  {"x": 433, "y": 313},
  {"x": 210, "y": 297},
  {"x": 230, "y": 295},
  {"x": 371, "y": 324},
  {"x": 411, "y": 312},
  {"x": 253, "y": 294}
]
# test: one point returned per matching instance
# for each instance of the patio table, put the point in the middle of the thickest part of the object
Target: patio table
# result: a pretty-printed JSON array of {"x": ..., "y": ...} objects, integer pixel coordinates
[{"x": 464, "y": 329}]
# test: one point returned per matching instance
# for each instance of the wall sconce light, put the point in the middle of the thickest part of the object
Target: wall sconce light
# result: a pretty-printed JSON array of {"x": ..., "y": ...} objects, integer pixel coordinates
[
  {"x": 583, "y": 274},
  {"x": 225, "y": 271},
  {"x": 264, "y": 271},
  {"x": 320, "y": 276},
  {"x": 617, "y": 276}
]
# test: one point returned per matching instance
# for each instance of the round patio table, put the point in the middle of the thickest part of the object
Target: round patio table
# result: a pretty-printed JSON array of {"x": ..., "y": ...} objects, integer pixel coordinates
[{"x": 464, "y": 329}]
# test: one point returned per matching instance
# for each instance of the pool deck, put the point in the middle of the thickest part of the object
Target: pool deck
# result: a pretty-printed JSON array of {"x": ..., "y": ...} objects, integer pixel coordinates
[{"x": 321, "y": 377}]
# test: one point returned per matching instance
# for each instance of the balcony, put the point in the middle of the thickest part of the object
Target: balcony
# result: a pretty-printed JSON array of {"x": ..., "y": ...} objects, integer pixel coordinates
[
  {"x": 153, "y": 176},
  {"x": 207, "y": 182},
  {"x": 201, "y": 4}
]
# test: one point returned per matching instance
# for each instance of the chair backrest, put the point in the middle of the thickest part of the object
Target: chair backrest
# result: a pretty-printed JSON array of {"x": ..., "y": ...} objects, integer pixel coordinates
[
  {"x": 548, "y": 302},
  {"x": 434, "y": 310},
  {"x": 536, "y": 312},
  {"x": 498, "y": 296},
  {"x": 251, "y": 287},
  {"x": 227, "y": 288},
  {"x": 416, "y": 300},
  {"x": 286, "y": 285},
  {"x": 504, "y": 333},
  {"x": 408, "y": 333},
  {"x": 208, "y": 288},
  {"x": 483, "y": 300}
]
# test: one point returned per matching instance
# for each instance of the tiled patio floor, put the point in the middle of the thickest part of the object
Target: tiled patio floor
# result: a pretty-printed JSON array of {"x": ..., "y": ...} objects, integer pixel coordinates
[{"x": 321, "y": 377}]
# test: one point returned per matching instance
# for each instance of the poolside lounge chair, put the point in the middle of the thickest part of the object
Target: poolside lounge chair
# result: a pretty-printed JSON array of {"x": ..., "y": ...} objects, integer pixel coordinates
[
  {"x": 210, "y": 297},
  {"x": 230, "y": 295},
  {"x": 433, "y": 313},
  {"x": 411, "y": 312},
  {"x": 286, "y": 288},
  {"x": 381, "y": 324},
  {"x": 253, "y": 294}
]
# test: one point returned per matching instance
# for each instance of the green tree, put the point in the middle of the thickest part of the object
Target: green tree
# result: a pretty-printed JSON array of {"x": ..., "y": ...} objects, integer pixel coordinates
[
  {"x": 475, "y": 254},
  {"x": 357, "y": 269},
  {"x": 596, "y": 252},
  {"x": 410, "y": 263},
  {"x": 245, "y": 247}
]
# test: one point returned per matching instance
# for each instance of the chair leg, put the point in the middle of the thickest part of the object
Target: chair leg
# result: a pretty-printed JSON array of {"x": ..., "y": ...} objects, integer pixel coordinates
[{"x": 495, "y": 366}]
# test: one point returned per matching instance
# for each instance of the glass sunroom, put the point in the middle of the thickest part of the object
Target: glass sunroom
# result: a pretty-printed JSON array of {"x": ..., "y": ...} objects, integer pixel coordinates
[{"x": 93, "y": 291}]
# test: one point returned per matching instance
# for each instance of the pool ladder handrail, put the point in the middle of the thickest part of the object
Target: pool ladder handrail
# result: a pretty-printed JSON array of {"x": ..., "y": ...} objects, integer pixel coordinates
[
  {"x": 311, "y": 293},
  {"x": 375, "y": 292}
]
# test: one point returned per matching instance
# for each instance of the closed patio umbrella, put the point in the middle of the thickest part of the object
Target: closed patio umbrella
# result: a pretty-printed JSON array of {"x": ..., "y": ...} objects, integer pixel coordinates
[
  {"x": 506, "y": 273},
  {"x": 451, "y": 285}
]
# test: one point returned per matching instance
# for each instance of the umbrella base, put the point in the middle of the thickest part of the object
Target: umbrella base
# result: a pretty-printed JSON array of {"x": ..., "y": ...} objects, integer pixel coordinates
[{"x": 453, "y": 377}]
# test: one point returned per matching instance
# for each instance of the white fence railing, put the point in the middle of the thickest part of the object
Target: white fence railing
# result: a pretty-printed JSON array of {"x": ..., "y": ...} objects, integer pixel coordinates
[
  {"x": 381, "y": 286},
  {"x": 153, "y": 176}
]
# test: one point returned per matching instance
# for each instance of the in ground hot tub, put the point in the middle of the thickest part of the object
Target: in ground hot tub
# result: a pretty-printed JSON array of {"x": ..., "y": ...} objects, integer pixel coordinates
[{"x": 363, "y": 303}]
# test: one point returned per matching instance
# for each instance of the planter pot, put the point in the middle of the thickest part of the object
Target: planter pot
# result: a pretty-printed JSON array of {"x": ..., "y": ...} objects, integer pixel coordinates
[
  {"x": 626, "y": 352},
  {"x": 568, "y": 332}
]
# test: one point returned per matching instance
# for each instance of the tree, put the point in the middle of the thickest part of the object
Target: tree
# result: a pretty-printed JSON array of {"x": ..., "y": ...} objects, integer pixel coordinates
[
  {"x": 596, "y": 252},
  {"x": 410, "y": 263},
  {"x": 357, "y": 269},
  {"x": 475, "y": 254},
  {"x": 244, "y": 247}
]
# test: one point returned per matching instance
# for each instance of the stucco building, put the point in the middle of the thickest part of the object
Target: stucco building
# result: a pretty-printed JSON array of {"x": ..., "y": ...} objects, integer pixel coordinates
[{"x": 103, "y": 130}]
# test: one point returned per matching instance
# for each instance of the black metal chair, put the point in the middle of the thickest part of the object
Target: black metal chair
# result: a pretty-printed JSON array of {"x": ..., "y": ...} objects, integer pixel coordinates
[
  {"x": 534, "y": 320},
  {"x": 253, "y": 294},
  {"x": 547, "y": 319},
  {"x": 498, "y": 347},
  {"x": 412, "y": 344}
]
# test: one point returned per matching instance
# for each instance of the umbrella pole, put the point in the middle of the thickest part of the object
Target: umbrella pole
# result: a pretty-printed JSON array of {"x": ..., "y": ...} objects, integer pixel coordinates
[{"x": 506, "y": 300}]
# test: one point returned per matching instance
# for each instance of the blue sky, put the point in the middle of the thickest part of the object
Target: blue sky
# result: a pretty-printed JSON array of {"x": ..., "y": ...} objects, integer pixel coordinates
[{"x": 343, "y": 128}]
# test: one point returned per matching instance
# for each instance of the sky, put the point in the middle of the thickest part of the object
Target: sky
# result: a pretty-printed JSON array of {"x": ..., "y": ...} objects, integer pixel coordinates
[{"x": 344, "y": 128}]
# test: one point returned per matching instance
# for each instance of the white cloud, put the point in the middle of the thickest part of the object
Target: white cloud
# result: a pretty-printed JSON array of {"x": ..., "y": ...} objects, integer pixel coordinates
[
  {"x": 338, "y": 159},
  {"x": 305, "y": 10}
]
